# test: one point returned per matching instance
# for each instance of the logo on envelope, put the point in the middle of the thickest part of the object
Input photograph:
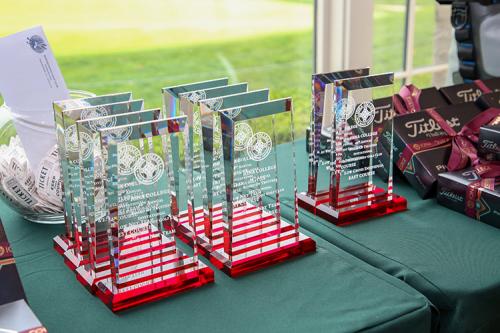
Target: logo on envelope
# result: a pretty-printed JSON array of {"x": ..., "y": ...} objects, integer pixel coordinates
[{"x": 37, "y": 43}]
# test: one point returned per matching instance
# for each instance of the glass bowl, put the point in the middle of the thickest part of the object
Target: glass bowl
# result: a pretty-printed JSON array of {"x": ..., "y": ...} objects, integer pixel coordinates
[{"x": 8, "y": 131}]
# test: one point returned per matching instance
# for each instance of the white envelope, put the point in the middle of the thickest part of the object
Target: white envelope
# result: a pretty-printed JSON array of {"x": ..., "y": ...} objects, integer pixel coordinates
[{"x": 30, "y": 80}]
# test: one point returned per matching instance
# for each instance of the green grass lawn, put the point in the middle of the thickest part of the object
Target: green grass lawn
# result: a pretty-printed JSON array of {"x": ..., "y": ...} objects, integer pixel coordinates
[{"x": 105, "y": 46}]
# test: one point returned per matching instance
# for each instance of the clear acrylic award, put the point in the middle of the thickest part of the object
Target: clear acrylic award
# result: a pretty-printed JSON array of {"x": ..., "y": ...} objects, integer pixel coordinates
[
  {"x": 354, "y": 192},
  {"x": 320, "y": 130},
  {"x": 92, "y": 171},
  {"x": 258, "y": 159},
  {"x": 144, "y": 198},
  {"x": 63, "y": 242},
  {"x": 210, "y": 179},
  {"x": 78, "y": 254},
  {"x": 189, "y": 104}
]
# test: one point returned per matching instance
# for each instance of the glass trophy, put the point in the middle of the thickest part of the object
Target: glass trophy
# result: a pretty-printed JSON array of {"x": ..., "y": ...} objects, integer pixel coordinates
[
  {"x": 189, "y": 105},
  {"x": 355, "y": 193},
  {"x": 171, "y": 94},
  {"x": 63, "y": 242},
  {"x": 258, "y": 158},
  {"x": 143, "y": 198},
  {"x": 319, "y": 134},
  {"x": 209, "y": 178},
  {"x": 78, "y": 254},
  {"x": 92, "y": 188}
]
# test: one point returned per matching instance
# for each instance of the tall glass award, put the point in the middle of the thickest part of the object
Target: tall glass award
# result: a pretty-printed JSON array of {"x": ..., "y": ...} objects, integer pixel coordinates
[
  {"x": 319, "y": 134},
  {"x": 210, "y": 179},
  {"x": 145, "y": 262},
  {"x": 92, "y": 202},
  {"x": 258, "y": 157},
  {"x": 63, "y": 242},
  {"x": 189, "y": 104},
  {"x": 171, "y": 94},
  {"x": 78, "y": 254},
  {"x": 355, "y": 193}
]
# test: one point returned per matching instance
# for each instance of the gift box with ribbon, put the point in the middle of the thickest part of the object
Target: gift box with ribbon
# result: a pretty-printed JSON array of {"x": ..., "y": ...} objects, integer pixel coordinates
[
  {"x": 474, "y": 191},
  {"x": 410, "y": 99},
  {"x": 423, "y": 143}
]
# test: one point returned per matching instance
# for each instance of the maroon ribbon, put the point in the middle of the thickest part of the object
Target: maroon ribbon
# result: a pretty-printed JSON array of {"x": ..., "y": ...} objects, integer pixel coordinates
[
  {"x": 407, "y": 100},
  {"x": 487, "y": 174}
]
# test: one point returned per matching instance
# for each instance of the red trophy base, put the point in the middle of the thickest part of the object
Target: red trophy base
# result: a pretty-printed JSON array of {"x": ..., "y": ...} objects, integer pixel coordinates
[
  {"x": 160, "y": 282},
  {"x": 62, "y": 244},
  {"x": 65, "y": 247},
  {"x": 259, "y": 260},
  {"x": 353, "y": 207},
  {"x": 90, "y": 279},
  {"x": 89, "y": 276},
  {"x": 259, "y": 241}
]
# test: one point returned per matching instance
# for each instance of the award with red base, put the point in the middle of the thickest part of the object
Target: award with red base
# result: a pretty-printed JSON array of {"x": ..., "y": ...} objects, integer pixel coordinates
[
  {"x": 78, "y": 253},
  {"x": 144, "y": 195},
  {"x": 208, "y": 172},
  {"x": 354, "y": 193},
  {"x": 64, "y": 242},
  {"x": 92, "y": 188},
  {"x": 258, "y": 159}
]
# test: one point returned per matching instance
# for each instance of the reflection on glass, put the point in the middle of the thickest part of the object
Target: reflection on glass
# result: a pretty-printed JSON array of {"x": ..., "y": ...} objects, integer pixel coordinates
[
  {"x": 258, "y": 172},
  {"x": 63, "y": 242},
  {"x": 145, "y": 195},
  {"x": 77, "y": 255},
  {"x": 92, "y": 171}
]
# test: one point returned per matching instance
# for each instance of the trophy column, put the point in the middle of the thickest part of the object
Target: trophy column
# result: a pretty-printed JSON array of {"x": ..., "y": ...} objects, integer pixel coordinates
[
  {"x": 143, "y": 201},
  {"x": 355, "y": 192}
]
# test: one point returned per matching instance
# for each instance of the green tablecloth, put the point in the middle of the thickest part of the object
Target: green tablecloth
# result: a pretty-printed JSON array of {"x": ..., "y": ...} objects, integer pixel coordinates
[
  {"x": 330, "y": 291},
  {"x": 451, "y": 259}
]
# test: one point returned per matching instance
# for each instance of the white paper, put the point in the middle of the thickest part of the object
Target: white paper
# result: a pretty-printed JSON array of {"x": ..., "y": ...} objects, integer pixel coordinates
[{"x": 30, "y": 80}]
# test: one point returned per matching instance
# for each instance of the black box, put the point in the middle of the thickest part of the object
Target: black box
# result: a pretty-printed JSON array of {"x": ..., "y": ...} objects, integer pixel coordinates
[
  {"x": 431, "y": 98},
  {"x": 490, "y": 100},
  {"x": 488, "y": 146},
  {"x": 414, "y": 128},
  {"x": 461, "y": 93},
  {"x": 452, "y": 193},
  {"x": 493, "y": 84}
]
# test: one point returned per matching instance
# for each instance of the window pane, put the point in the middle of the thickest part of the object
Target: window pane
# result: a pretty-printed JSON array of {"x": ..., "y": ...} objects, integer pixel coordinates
[
  {"x": 422, "y": 80},
  {"x": 432, "y": 39},
  {"x": 388, "y": 35},
  {"x": 144, "y": 45},
  {"x": 425, "y": 26}
]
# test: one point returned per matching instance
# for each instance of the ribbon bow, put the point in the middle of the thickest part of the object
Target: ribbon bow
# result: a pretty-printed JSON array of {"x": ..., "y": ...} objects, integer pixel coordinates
[{"x": 463, "y": 150}]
